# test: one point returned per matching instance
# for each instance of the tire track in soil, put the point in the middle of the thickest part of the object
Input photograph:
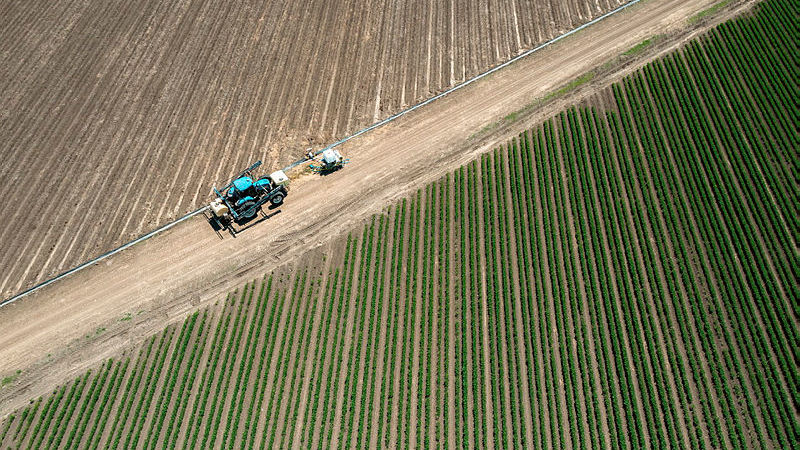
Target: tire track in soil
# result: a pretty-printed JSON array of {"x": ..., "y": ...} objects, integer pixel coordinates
[
  {"x": 637, "y": 246},
  {"x": 699, "y": 247},
  {"x": 578, "y": 277},
  {"x": 352, "y": 324},
  {"x": 408, "y": 274},
  {"x": 333, "y": 342},
  {"x": 648, "y": 236},
  {"x": 278, "y": 419},
  {"x": 555, "y": 326},
  {"x": 725, "y": 229},
  {"x": 395, "y": 240},
  {"x": 482, "y": 263},
  {"x": 606, "y": 237},
  {"x": 706, "y": 181},
  {"x": 271, "y": 366},
  {"x": 548, "y": 440},
  {"x": 310, "y": 361},
  {"x": 499, "y": 260},
  {"x": 702, "y": 252},
  {"x": 513, "y": 259},
  {"x": 451, "y": 298},
  {"x": 598, "y": 318}
]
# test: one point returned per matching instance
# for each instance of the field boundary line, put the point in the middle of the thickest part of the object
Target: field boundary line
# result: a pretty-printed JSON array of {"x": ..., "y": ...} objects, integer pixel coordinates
[
  {"x": 113, "y": 252},
  {"x": 381, "y": 123},
  {"x": 529, "y": 52}
]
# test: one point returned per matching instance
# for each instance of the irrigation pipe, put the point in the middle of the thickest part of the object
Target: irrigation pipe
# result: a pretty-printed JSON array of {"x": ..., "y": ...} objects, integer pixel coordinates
[
  {"x": 333, "y": 145},
  {"x": 467, "y": 82},
  {"x": 101, "y": 257}
]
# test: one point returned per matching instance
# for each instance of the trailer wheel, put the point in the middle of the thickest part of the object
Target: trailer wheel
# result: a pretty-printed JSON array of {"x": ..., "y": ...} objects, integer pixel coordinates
[
  {"x": 276, "y": 199},
  {"x": 248, "y": 212}
]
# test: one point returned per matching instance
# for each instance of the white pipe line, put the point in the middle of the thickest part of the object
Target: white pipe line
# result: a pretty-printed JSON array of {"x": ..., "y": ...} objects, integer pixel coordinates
[
  {"x": 101, "y": 257},
  {"x": 335, "y": 144},
  {"x": 468, "y": 82}
]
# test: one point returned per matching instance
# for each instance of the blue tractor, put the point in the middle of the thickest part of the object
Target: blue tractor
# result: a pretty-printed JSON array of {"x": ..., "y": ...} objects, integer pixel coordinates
[{"x": 240, "y": 200}]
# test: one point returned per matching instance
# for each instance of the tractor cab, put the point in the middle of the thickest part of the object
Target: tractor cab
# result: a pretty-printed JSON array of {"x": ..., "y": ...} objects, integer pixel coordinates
[
  {"x": 241, "y": 199},
  {"x": 240, "y": 189},
  {"x": 245, "y": 189}
]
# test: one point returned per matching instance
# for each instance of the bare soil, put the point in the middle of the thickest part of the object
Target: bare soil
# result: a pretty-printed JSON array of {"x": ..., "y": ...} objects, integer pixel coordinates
[
  {"x": 118, "y": 118},
  {"x": 167, "y": 277}
]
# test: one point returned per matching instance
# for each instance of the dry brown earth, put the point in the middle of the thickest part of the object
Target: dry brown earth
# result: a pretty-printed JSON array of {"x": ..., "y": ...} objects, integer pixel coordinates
[
  {"x": 119, "y": 116},
  {"x": 174, "y": 273}
]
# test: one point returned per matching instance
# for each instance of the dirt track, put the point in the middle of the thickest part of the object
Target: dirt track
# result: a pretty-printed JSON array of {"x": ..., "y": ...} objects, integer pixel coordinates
[
  {"x": 117, "y": 117},
  {"x": 189, "y": 266}
]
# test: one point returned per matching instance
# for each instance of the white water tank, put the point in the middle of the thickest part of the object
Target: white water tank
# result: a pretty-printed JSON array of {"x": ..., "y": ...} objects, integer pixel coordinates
[
  {"x": 218, "y": 207},
  {"x": 279, "y": 178}
]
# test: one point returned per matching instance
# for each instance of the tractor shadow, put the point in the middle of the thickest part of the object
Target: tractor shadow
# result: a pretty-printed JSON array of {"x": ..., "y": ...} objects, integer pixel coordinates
[
  {"x": 238, "y": 227},
  {"x": 325, "y": 173}
]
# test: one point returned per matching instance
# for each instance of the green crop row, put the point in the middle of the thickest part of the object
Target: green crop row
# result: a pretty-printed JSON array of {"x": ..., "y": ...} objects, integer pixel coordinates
[{"x": 623, "y": 275}]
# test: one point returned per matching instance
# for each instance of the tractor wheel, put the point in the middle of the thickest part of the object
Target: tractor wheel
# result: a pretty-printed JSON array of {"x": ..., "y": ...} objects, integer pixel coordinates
[
  {"x": 248, "y": 212},
  {"x": 276, "y": 199}
]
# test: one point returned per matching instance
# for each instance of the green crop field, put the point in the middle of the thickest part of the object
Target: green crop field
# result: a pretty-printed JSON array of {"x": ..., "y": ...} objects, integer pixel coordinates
[{"x": 624, "y": 275}]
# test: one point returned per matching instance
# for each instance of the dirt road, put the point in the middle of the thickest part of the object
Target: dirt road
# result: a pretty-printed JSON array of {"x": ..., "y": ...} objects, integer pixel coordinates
[
  {"x": 118, "y": 116},
  {"x": 158, "y": 282}
]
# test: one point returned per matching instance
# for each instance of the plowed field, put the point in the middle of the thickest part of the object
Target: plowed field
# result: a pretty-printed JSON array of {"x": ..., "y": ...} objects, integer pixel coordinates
[
  {"x": 611, "y": 278},
  {"x": 118, "y": 116},
  {"x": 52, "y": 335}
]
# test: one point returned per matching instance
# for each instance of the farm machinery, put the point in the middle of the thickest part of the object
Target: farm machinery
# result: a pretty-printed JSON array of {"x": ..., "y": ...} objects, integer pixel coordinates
[
  {"x": 240, "y": 200},
  {"x": 330, "y": 161}
]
